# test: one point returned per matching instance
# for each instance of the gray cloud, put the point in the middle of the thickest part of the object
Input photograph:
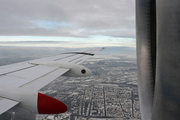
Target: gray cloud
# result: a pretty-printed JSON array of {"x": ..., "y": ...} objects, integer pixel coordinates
[{"x": 85, "y": 18}]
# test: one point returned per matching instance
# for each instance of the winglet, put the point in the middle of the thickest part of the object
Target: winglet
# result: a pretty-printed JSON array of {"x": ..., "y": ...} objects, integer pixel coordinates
[{"x": 102, "y": 48}]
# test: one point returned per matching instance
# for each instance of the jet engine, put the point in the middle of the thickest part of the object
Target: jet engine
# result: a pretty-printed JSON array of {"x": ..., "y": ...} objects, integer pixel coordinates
[{"x": 158, "y": 58}]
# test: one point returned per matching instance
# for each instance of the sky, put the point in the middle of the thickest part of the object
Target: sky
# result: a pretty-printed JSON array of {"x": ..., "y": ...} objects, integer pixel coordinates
[{"x": 73, "y": 23}]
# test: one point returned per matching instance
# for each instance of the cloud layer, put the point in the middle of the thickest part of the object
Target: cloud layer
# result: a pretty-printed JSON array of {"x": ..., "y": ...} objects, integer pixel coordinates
[{"x": 68, "y": 18}]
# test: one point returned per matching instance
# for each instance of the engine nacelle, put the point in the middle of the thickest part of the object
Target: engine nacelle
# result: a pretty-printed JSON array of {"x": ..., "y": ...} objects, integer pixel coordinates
[
  {"x": 75, "y": 70},
  {"x": 33, "y": 102}
]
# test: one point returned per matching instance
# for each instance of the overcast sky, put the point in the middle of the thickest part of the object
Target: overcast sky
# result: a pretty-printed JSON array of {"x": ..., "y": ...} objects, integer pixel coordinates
[{"x": 98, "y": 21}]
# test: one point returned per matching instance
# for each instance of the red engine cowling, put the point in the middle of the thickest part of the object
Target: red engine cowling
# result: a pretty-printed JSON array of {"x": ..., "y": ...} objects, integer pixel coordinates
[
  {"x": 33, "y": 102},
  {"x": 49, "y": 105}
]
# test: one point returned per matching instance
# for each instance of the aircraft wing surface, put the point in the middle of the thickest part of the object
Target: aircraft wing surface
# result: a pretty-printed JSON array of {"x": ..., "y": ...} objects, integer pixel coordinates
[
  {"x": 30, "y": 76},
  {"x": 6, "y": 104}
]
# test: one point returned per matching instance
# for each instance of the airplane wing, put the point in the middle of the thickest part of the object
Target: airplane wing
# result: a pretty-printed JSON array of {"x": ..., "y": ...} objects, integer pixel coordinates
[
  {"x": 20, "y": 82},
  {"x": 6, "y": 104}
]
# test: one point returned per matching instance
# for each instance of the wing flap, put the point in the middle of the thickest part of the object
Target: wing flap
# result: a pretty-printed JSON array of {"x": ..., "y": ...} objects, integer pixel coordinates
[
  {"x": 72, "y": 57},
  {"x": 38, "y": 83},
  {"x": 84, "y": 55},
  {"x": 62, "y": 57},
  {"x": 21, "y": 77},
  {"x": 33, "y": 78},
  {"x": 14, "y": 68},
  {"x": 6, "y": 104}
]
